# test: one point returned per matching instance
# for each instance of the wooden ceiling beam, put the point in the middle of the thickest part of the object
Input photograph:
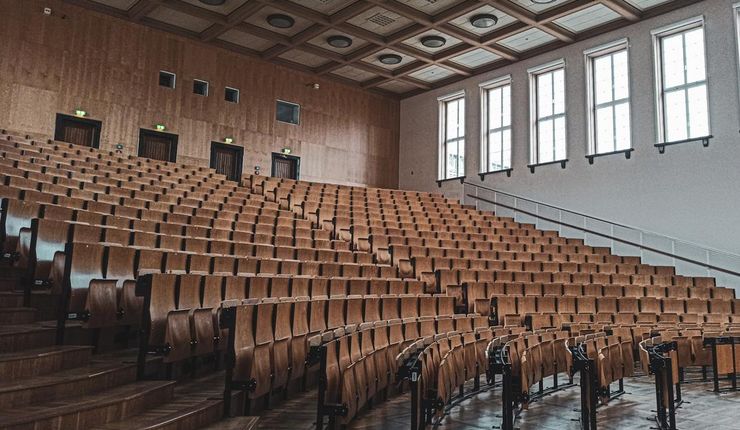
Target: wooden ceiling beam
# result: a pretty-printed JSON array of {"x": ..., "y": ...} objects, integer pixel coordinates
[
  {"x": 142, "y": 9},
  {"x": 234, "y": 19},
  {"x": 623, "y": 8},
  {"x": 195, "y": 11},
  {"x": 530, "y": 18}
]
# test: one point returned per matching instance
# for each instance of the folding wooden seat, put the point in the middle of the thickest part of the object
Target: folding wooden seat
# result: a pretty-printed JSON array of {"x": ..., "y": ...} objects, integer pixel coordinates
[
  {"x": 354, "y": 305},
  {"x": 546, "y": 305},
  {"x": 720, "y": 307},
  {"x": 409, "y": 305},
  {"x": 673, "y": 306},
  {"x": 338, "y": 287},
  {"x": 390, "y": 307},
  {"x": 16, "y": 215},
  {"x": 723, "y": 293},
  {"x": 526, "y": 305},
  {"x": 279, "y": 286},
  {"x": 261, "y": 367},
  {"x": 700, "y": 292},
  {"x": 317, "y": 315},
  {"x": 704, "y": 282},
  {"x": 649, "y": 305},
  {"x": 613, "y": 290},
  {"x": 646, "y": 318},
  {"x": 682, "y": 281},
  {"x": 335, "y": 316},
  {"x": 533, "y": 289},
  {"x": 574, "y": 290},
  {"x": 696, "y": 306},
  {"x": 281, "y": 345}
]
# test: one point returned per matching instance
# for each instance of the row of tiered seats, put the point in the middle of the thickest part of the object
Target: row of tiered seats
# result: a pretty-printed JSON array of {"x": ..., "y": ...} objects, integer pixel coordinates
[{"x": 269, "y": 274}]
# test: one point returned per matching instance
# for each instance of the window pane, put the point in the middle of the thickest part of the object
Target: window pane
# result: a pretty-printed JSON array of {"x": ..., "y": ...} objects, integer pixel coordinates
[
  {"x": 673, "y": 62},
  {"x": 602, "y": 79},
  {"x": 558, "y": 80},
  {"x": 494, "y": 149},
  {"x": 451, "y": 158},
  {"x": 604, "y": 130},
  {"x": 451, "y": 119},
  {"x": 698, "y": 114},
  {"x": 494, "y": 108},
  {"x": 460, "y": 117},
  {"x": 507, "y": 149},
  {"x": 544, "y": 95},
  {"x": 621, "y": 75},
  {"x": 460, "y": 158},
  {"x": 545, "y": 141},
  {"x": 622, "y": 126},
  {"x": 675, "y": 115},
  {"x": 695, "y": 68},
  {"x": 560, "y": 138},
  {"x": 506, "y": 105}
]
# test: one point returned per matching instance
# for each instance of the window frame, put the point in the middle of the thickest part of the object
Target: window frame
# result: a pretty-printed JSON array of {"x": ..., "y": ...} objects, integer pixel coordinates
[
  {"x": 485, "y": 89},
  {"x": 203, "y": 82},
  {"x": 533, "y": 73},
  {"x": 736, "y": 11},
  {"x": 442, "y": 146},
  {"x": 297, "y": 105},
  {"x": 235, "y": 91},
  {"x": 174, "y": 79},
  {"x": 590, "y": 55},
  {"x": 657, "y": 37}
]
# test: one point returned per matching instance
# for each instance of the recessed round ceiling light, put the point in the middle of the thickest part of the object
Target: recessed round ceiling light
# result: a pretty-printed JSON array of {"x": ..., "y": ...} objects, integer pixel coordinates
[
  {"x": 483, "y": 20},
  {"x": 213, "y": 2},
  {"x": 280, "y": 21},
  {"x": 339, "y": 41},
  {"x": 433, "y": 41},
  {"x": 543, "y": 1},
  {"x": 389, "y": 59}
]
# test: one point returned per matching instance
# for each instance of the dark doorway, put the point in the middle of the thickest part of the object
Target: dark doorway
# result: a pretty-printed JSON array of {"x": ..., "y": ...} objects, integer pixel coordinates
[
  {"x": 76, "y": 130},
  {"x": 157, "y": 145},
  {"x": 285, "y": 166},
  {"x": 227, "y": 160}
]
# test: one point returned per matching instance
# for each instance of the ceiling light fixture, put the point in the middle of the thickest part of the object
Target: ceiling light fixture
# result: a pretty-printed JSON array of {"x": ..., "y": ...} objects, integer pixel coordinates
[
  {"x": 543, "y": 1},
  {"x": 280, "y": 21},
  {"x": 483, "y": 20},
  {"x": 433, "y": 41},
  {"x": 339, "y": 41},
  {"x": 390, "y": 59},
  {"x": 213, "y": 2}
]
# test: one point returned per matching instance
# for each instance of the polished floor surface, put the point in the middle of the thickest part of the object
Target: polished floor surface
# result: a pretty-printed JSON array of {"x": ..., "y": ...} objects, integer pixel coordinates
[{"x": 702, "y": 409}]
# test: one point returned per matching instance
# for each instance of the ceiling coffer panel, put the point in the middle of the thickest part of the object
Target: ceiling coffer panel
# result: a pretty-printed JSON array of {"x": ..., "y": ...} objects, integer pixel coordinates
[{"x": 394, "y": 47}]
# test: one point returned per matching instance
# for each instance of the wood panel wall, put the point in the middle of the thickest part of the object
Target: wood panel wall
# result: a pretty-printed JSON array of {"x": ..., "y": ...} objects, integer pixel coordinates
[{"x": 109, "y": 67}]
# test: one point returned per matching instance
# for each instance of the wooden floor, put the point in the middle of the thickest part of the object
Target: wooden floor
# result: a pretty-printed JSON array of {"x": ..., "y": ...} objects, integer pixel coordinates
[{"x": 702, "y": 409}]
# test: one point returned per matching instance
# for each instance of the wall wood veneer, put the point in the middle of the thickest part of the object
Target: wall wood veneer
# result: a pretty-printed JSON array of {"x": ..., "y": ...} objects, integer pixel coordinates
[{"x": 109, "y": 67}]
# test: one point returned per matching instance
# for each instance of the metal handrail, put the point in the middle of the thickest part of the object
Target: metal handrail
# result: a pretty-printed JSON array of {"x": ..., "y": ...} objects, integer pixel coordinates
[
  {"x": 608, "y": 236},
  {"x": 605, "y": 221}
]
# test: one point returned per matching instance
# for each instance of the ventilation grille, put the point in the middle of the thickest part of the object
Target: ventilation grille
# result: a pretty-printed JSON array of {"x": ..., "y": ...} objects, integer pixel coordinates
[{"x": 381, "y": 20}]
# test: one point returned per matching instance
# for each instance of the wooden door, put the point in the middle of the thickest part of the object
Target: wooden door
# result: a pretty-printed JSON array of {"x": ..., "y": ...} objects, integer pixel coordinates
[
  {"x": 227, "y": 160},
  {"x": 157, "y": 145},
  {"x": 79, "y": 131},
  {"x": 285, "y": 166}
]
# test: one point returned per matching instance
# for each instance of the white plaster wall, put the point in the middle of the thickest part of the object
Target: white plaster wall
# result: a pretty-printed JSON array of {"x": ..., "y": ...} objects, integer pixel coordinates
[{"x": 690, "y": 192}]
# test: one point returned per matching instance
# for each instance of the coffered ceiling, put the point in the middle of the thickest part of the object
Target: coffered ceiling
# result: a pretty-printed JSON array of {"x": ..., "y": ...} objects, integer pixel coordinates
[{"x": 432, "y": 42}]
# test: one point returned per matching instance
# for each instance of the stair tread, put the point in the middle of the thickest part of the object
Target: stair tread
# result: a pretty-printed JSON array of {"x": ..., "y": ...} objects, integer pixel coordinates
[
  {"x": 235, "y": 423},
  {"x": 67, "y": 376},
  {"x": 73, "y": 404},
  {"x": 30, "y": 354},
  {"x": 172, "y": 411}
]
